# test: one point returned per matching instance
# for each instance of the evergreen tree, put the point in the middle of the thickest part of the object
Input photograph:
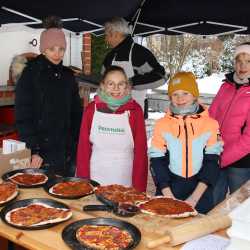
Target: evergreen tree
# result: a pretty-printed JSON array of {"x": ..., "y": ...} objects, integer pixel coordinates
[
  {"x": 99, "y": 51},
  {"x": 197, "y": 63},
  {"x": 226, "y": 57}
]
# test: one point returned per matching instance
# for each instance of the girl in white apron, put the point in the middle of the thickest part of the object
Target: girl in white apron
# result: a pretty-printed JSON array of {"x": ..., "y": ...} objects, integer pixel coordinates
[
  {"x": 138, "y": 95},
  {"x": 113, "y": 130}
]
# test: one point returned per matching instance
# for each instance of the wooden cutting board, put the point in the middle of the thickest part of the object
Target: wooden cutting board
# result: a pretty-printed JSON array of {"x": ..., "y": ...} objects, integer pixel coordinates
[{"x": 152, "y": 227}]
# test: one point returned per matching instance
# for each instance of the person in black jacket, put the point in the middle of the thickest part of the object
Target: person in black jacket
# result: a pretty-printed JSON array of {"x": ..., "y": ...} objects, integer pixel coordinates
[
  {"x": 139, "y": 63},
  {"x": 47, "y": 108}
]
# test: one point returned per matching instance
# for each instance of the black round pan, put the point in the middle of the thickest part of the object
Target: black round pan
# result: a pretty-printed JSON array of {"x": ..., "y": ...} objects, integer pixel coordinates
[
  {"x": 7, "y": 175},
  {"x": 51, "y": 182},
  {"x": 26, "y": 202},
  {"x": 69, "y": 232},
  {"x": 106, "y": 201}
]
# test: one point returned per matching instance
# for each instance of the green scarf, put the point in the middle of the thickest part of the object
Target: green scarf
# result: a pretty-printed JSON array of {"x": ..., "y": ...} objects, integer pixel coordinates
[{"x": 112, "y": 103}]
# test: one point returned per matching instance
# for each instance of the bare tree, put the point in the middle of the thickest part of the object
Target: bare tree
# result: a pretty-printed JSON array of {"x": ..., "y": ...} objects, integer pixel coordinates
[{"x": 170, "y": 50}]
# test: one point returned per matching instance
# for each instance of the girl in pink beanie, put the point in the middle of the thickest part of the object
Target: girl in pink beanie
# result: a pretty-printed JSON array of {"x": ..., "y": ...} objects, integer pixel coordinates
[
  {"x": 48, "y": 109},
  {"x": 52, "y": 35},
  {"x": 52, "y": 40}
]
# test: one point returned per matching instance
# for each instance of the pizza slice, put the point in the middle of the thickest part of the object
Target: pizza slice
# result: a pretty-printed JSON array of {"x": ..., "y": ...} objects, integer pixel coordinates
[
  {"x": 29, "y": 179},
  {"x": 103, "y": 237},
  {"x": 37, "y": 214},
  {"x": 167, "y": 207},
  {"x": 8, "y": 191},
  {"x": 72, "y": 188}
]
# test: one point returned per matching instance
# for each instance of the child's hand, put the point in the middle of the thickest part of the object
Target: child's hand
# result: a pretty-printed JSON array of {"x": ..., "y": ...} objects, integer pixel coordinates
[
  {"x": 36, "y": 161},
  {"x": 167, "y": 192}
]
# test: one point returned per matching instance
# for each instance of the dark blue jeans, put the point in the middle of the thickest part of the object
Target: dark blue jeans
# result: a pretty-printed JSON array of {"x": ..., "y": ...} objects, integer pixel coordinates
[{"x": 230, "y": 179}]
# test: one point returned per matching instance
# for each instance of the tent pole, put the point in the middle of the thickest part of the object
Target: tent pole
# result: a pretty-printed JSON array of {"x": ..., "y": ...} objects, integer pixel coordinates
[{"x": 136, "y": 16}]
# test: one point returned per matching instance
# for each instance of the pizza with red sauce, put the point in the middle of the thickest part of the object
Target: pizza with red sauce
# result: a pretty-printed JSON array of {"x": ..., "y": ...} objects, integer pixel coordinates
[
  {"x": 72, "y": 188},
  {"x": 103, "y": 237},
  {"x": 29, "y": 179},
  {"x": 120, "y": 194},
  {"x": 167, "y": 207},
  {"x": 8, "y": 191},
  {"x": 37, "y": 214}
]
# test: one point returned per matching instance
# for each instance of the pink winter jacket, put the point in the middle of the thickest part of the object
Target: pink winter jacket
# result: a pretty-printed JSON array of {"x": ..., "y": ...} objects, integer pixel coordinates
[{"x": 231, "y": 108}]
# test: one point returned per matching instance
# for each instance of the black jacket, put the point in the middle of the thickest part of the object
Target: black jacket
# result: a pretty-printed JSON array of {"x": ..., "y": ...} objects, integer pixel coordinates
[
  {"x": 48, "y": 111},
  {"x": 149, "y": 74}
]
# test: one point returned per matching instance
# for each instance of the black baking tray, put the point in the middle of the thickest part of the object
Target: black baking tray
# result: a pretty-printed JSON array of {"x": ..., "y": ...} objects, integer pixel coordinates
[
  {"x": 69, "y": 232},
  {"x": 26, "y": 202},
  {"x": 7, "y": 175},
  {"x": 52, "y": 181}
]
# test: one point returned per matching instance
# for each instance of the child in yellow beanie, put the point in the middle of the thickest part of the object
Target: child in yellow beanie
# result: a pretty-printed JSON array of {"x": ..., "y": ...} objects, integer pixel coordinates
[{"x": 185, "y": 150}]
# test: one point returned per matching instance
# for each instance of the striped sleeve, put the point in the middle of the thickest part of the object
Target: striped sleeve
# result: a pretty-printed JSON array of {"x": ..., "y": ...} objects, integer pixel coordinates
[{"x": 214, "y": 146}]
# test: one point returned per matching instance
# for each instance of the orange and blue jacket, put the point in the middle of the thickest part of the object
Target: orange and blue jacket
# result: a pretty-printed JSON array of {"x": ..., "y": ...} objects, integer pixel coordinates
[{"x": 186, "y": 139}]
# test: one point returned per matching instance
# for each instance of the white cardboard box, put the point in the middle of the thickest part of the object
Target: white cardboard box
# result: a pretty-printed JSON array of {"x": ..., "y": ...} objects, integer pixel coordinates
[
  {"x": 11, "y": 146},
  {"x": 17, "y": 160}
]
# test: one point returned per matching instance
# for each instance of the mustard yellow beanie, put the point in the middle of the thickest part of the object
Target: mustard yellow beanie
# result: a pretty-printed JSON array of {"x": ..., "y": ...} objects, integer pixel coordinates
[{"x": 183, "y": 81}]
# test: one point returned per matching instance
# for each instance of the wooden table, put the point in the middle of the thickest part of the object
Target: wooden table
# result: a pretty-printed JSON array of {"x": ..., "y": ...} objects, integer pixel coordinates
[{"x": 50, "y": 239}]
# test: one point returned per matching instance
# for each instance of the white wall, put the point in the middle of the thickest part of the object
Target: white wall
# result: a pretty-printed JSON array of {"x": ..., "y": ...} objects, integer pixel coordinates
[{"x": 15, "y": 40}]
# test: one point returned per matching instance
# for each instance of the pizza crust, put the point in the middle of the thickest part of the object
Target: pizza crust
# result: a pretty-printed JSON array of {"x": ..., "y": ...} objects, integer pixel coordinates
[
  {"x": 10, "y": 197},
  {"x": 51, "y": 190},
  {"x": 181, "y": 215},
  {"x": 8, "y": 215},
  {"x": 11, "y": 178}
]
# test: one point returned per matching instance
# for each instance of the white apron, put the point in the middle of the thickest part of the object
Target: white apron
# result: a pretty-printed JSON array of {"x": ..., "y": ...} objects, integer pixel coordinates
[
  {"x": 138, "y": 95},
  {"x": 112, "y": 150}
]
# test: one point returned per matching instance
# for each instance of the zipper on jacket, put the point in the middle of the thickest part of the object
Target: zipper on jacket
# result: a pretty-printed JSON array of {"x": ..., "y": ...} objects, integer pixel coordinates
[
  {"x": 186, "y": 138},
  {"x": 192, "y": 127}
]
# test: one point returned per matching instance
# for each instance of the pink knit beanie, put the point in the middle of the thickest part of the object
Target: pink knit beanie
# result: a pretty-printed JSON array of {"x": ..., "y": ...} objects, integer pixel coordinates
[
  {"x": 52, "y": 37},
  {"x": 243, "y": 48}
]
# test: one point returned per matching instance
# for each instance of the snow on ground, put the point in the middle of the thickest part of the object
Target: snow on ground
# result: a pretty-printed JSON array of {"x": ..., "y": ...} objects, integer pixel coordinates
[{"x": 210, "y": 84}]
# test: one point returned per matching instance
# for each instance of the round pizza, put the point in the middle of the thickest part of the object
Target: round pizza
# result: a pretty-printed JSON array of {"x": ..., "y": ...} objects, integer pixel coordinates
[
  {"x": 72, "y": 188},
  {"x": 37, "y": 214},
  {"x": 167, "y": 207},
  {"x": 120, "y": 194},
  {"x": 29, "y": 179},
  {"x": 8, "y": 191},
  {"x": 103, "y": 237}
]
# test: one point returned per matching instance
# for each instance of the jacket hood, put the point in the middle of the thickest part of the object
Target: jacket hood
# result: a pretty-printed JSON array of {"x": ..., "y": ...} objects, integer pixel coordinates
[
  {"x": 20, "y": 62},
  {"x": 17, "y": 66},
  {"x": 230, "y": 79}
]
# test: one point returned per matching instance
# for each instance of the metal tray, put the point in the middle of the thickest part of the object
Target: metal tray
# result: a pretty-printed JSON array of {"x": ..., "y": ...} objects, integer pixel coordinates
[
  {"x": 26, "y": 202},
  {"x": 51, "y": 182},
  {"x": 69, "y": 232},
  {"x": 7, "y": 175}
]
